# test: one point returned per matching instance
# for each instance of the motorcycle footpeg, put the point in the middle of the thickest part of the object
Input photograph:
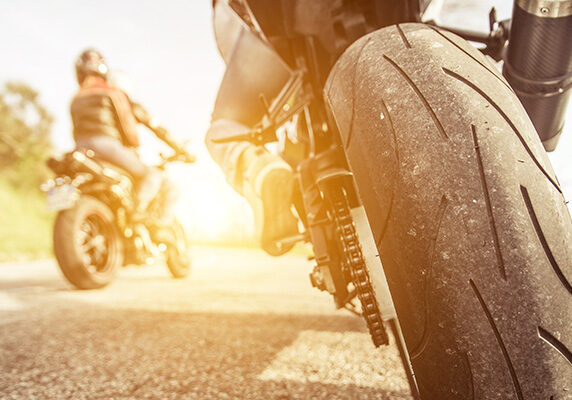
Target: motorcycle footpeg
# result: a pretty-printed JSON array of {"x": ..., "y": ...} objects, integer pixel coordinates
[{"x": 302, "y": 237}]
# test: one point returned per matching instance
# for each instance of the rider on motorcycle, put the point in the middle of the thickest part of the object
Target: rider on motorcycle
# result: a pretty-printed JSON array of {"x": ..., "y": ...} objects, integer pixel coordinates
[
  {"x": 249, "y": 35},
  {"x": 105, "y": 120}
]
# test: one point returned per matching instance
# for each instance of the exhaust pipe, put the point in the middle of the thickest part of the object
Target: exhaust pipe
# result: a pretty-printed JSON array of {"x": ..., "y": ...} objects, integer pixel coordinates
[{"x": 538, "y": 63}]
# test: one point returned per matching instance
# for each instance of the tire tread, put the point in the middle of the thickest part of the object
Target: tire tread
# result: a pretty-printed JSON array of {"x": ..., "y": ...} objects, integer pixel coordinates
[{"x": 448, "y": 214}]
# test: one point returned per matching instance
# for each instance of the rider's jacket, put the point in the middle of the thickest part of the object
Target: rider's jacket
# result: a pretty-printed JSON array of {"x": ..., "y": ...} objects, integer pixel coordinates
[{"x": 101, "y": 109}]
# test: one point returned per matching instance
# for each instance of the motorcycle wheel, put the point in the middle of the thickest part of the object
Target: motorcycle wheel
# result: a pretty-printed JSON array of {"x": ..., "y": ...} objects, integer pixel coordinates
[
  {"x": 469, "y": 219},
  {"x": 87, "y": 245},
  {"x": 178, "y": 257}
]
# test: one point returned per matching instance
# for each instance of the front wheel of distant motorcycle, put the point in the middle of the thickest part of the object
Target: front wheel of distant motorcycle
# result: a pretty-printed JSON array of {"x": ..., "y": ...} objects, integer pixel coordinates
[
  {"x": 87, "y": 245},
  {"x": 469, "y": 219}
]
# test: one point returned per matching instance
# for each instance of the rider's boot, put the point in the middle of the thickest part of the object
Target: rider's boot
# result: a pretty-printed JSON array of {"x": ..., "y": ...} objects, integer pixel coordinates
[{"x": 268, "y": 182}]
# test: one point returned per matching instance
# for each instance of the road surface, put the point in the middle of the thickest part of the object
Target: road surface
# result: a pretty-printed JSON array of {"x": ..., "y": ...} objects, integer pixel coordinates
[{"x": 242, "y": 326}]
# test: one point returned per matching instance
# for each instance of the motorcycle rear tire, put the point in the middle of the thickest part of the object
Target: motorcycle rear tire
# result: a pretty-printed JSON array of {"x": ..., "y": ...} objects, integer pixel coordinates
[
  {"x": 470, "y": 222},
  {"x": 68, "y": 249}
]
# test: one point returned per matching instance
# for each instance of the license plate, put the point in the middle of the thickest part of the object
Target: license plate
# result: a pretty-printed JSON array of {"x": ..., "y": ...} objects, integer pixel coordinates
[{"x": 61, "y": 197}]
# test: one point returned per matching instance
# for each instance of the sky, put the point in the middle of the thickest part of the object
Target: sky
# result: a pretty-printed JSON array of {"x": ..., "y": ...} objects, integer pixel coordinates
[{"x": 166, "y": 54}]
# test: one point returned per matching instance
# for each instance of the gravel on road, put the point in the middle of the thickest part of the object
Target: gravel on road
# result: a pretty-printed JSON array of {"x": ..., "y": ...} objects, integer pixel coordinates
[{"x": 242, "y": 326}]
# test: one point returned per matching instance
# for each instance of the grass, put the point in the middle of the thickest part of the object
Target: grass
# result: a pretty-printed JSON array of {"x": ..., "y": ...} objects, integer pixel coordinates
[{"x": 26, "y": 226}]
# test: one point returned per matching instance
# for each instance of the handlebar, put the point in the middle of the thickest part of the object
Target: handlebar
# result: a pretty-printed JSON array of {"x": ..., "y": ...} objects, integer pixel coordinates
[{"x": 180, "y": 154}]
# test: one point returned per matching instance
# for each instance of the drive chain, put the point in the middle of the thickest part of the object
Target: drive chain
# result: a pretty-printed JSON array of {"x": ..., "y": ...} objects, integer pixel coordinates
[{"x": 354, "y": 261}]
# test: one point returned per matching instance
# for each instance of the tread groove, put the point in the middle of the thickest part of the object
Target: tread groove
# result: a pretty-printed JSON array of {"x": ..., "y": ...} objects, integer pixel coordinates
[
  {"x": 426, "y": 331},
  {"x": 543, "y": 240},
  {"x": 492, "y": 223},
  {"x": 420, "y": 95},
  {"x": 458, "y": 77},
  {"x": 470, "y": 55},
  {"x": 489, "y": 316},
  {"x": 382, "y": 235},
  {"x": 347, "y": 144},
  {"x": 388, "y": 116},
  {"x": 558, "y": 345},
  {"x": 403, "y": 37}
]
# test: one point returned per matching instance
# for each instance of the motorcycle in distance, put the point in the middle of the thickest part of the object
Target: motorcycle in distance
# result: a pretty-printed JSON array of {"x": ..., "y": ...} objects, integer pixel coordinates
[
  {"x": 96, "y": 230},
  {"x": 423, "y": 184}
]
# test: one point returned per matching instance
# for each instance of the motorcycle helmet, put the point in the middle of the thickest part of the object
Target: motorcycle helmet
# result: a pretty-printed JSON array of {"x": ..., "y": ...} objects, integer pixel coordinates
[{"x": 90, "y": 62}]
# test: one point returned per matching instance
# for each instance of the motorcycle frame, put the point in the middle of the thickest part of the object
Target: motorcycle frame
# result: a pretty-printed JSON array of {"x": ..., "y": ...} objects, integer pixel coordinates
[{"x": 534, "y": 47}]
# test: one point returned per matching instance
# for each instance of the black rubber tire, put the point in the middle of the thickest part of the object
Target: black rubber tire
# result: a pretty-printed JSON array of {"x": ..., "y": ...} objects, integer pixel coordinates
[
  {"x": 471, "y": 225},
  {"x": 178, "y": 256},
  {"x": 68, "y": 250}
]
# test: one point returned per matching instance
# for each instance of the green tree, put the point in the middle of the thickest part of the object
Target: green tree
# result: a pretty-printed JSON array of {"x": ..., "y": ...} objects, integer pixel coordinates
[{"x": 25, "y": 127}]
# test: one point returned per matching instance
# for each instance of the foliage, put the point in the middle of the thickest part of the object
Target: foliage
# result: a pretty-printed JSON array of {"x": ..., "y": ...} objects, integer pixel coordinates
[
  {"x": 25, "y": 231},
  {"x": 24, "y": 135},
  {"x": 26, "y": 228}
]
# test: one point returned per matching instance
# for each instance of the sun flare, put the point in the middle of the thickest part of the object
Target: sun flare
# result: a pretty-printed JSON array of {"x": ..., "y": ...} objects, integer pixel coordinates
[{"x": 208, "y": 208}]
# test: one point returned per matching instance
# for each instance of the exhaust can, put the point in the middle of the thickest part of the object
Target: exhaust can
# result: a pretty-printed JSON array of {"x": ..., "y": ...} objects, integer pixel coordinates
[{"x": 538, "y": 63}]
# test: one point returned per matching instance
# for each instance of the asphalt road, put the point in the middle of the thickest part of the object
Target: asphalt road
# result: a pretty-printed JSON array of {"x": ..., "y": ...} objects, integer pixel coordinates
[{"x": 242, "y": 326}]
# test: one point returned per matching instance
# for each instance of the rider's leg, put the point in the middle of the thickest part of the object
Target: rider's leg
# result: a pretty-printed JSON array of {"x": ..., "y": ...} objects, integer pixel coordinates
[
  {"x": 263, "y": 178},
  {"x": 171, "y": 196},
  {"x": 147, "y": 179},
  {"x": 226, "y": 155},
  {"x": 148, "y": 188}
]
